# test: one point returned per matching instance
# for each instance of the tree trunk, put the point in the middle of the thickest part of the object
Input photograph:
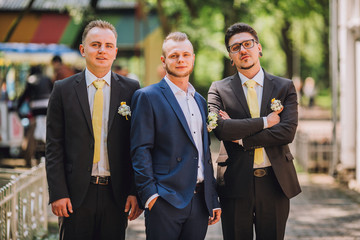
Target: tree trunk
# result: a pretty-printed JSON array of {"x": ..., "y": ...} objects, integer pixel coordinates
[{"x": 287, "y": 46}]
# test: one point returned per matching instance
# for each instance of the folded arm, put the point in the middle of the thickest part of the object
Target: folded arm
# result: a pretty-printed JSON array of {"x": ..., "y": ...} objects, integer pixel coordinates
[
  {"x": 282, "y": 133},
  {"x": 231, "y": 129}
]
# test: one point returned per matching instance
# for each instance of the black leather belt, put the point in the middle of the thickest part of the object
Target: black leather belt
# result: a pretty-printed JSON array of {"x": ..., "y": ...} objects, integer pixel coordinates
[
  {"x": 100, "y": 180},
  {"x": 199, "y": 188},
  {"x": 261, "y": 172}
]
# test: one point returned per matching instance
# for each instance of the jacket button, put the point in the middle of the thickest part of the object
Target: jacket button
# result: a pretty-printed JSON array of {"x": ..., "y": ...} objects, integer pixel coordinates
[
  {"x": 178, "y": 159},
  {"x": 89, "y": 169},
  {"x": 195, "y": 158},
  {"x": 210, "y": 162}
]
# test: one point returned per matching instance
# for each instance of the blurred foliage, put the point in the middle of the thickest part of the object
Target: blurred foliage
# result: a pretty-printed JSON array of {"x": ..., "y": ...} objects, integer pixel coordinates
[{"x": 294, "y": 35}]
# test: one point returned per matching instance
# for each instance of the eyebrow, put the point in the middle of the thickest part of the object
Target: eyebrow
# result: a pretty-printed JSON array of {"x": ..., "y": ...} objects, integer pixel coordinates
[{"x": 100, "y": 42}]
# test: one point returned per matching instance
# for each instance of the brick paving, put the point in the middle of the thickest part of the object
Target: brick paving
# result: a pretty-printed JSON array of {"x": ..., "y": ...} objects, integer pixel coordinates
[{"x": 323, "y": 211}]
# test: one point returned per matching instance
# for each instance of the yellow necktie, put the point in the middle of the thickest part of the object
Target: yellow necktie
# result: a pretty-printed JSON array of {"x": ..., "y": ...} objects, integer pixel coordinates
[
  {"x": 97, "y": 117},
  {"x": 255, "y": 113}
]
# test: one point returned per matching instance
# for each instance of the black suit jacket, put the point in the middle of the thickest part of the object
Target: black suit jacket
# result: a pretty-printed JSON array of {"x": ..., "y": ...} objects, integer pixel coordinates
[
  {"x": 70, "y": 140},
  {"x": 228, "y": 95}
]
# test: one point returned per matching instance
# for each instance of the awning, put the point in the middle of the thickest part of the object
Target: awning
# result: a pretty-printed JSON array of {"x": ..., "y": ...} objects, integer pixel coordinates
[{"x": 61, "y": 29}]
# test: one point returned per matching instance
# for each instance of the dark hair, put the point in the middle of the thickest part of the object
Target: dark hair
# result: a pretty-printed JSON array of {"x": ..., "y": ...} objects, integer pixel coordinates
[
  {"x": 239, "y": 28},
  {"x": 100, "y": 24},
  {"x": 56, "y": 58},
  {"x": 37, "y": 69}
]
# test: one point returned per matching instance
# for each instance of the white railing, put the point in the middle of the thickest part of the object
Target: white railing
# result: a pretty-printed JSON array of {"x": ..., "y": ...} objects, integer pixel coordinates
[
  {"x": 313, "y": 155},
  {"x": 23, "y": 204}
]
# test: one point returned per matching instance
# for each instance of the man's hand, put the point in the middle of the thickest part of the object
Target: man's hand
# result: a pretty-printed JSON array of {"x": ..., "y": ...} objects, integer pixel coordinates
[
  {"x": 224, "y": 115},
  {"x": 273, "y": 118},
  {"x": 216, "y": 217},
  {"x": 132, "y": 206},
  {"x": 62, "y": 207},
  {"x": 151, "y": 203}
]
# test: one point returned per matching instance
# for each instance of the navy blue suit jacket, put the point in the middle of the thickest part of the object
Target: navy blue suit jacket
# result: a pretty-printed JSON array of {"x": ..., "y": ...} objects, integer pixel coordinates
[{"x": 164, "y": 155}]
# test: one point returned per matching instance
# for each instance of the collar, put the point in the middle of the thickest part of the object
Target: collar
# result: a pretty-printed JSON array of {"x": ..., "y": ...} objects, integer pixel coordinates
[
  {"x": 175, "y": 89},
  {"x": 258, "y": 78},
  {"x": 90, "y": 78}
]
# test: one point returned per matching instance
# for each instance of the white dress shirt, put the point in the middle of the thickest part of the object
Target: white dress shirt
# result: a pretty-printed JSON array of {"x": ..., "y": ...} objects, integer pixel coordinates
[
  {"x": 259, "y": 79},
  {"x": 102, "y": 167},
  {"x": 193, "y": 117}
]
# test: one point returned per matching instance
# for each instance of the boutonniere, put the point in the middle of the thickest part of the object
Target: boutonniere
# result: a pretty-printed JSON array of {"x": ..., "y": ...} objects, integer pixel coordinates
[
  {"x": 124, "y": 110},
  {"x": 212, "y": 121},
  {"x": 276, "y": 105}
]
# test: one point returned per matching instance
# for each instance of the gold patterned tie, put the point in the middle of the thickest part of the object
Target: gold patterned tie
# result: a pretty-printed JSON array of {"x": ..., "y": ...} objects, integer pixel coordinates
[
  {"x": 255, "y": 113},
  {"x": 97, "y": 117}
]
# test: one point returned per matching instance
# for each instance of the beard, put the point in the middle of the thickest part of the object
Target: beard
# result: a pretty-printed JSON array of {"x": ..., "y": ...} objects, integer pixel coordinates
[
  {"x": 174, "y": 74},
  {"x": 248, "y": 67}
]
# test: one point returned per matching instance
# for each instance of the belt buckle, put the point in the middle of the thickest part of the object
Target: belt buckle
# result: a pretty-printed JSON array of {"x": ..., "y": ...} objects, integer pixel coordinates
[
  {"x": 106, "y": 182},
  {"x": 101, "y": 180},
  {"x": 259, "y": 172}
]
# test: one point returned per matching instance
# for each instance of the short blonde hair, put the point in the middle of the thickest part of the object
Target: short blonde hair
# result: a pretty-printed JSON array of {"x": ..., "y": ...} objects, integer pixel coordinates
[
  {"x": 175, "y": 36},
  {"x": 100, "y": 24}
]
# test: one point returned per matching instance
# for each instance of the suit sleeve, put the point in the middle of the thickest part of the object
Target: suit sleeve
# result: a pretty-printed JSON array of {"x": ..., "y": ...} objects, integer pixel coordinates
[
  {"x": 55, "y": 147},
  {"x": 283, "y": 133},
  {"x": 142, "y": 142},
  {"x": 231, "y": 129}
]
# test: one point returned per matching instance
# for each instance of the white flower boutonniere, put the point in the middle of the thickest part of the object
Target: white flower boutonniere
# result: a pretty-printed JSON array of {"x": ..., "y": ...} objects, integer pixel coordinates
[
  {"x": 124, "y": 110},
  {"x": 276, "y": 105},
  {"x": 212, "y": 121}
]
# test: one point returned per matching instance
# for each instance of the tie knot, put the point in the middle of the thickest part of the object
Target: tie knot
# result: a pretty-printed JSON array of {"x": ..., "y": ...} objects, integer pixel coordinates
[
  {"x": 250, "y": 83},
  {"x": 99, "y": 84}
]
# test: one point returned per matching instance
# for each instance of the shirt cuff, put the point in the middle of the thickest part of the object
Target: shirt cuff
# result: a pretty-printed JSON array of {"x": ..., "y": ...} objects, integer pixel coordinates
[
  {"x": 265, "y": 122},
  {"x": 151, "y": 198},
  {"x": 240, "y": 142}
]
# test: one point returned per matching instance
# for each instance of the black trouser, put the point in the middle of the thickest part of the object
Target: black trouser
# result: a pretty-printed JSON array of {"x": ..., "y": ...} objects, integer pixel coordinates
[
  {"x": 99, "y": 217},
  {"x": 267, "y": 208}
]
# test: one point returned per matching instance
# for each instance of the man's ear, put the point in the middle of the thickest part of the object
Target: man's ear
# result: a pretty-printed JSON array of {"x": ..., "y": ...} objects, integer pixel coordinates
[{"x": 82, "y": 50}]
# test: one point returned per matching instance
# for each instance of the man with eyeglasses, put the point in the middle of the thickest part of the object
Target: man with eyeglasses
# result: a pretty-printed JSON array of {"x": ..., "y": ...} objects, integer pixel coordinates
[{"x": 258, "y": 175}]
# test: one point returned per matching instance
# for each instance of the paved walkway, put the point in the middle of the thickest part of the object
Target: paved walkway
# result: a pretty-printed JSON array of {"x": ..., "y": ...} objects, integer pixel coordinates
[{"x": 323, "y": 211}]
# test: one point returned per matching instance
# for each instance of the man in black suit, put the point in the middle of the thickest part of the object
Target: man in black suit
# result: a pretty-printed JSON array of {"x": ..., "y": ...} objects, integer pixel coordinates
[
  {"x": 88, "y": 165},
  {"x": 259, "y": 176}
]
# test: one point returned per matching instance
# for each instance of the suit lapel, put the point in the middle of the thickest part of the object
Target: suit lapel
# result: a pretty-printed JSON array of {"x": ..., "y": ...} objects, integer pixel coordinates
[
  {"x": 169, "y": 95},
  {"x": 239, "y": 93},
  {"x": 266, "y": 97},
  {"x": 204, "y": 118},
  {"x": 81, "y": 91},
  {"x": 115, "y": 93}
]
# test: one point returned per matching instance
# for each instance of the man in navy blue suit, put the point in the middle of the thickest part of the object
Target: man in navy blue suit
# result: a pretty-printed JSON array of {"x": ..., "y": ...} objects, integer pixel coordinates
[{"x": 170, "y": 150}]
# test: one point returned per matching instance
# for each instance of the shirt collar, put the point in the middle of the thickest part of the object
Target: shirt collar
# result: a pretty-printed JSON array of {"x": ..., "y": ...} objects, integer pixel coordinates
[
  {"x": 90, "y": 77},
  {"x": 175, "y": 89},
  {"x": 258, "y": 78}
]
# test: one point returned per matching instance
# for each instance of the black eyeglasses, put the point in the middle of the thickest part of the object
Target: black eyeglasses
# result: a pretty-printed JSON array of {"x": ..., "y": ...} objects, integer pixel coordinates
[{"x": 236, "y": 47}]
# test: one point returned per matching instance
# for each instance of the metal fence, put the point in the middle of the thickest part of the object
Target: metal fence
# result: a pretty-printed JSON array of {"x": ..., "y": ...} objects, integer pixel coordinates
[
  {"x": 23, "y": 203},
  {"x": 313, "y": 155}
]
